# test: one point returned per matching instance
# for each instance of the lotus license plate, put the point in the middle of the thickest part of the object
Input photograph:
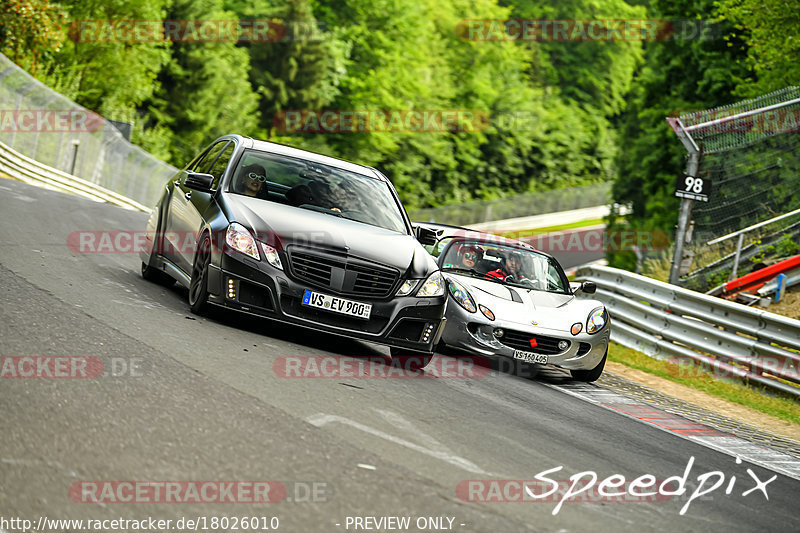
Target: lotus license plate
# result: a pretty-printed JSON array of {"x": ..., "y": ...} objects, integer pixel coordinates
[
  {"x": 336, "y": 304},
  {"x": 529, "y": 357}
]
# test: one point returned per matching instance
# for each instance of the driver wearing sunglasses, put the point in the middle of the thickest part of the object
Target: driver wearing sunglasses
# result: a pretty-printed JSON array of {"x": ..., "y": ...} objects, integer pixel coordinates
[{"x": 470, "y": 255}]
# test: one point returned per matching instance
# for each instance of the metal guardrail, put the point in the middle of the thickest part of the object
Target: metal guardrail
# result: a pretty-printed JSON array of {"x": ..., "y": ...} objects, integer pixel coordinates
[
  {"x": 55, "y": 131},
  {"x": 22, "y": 168},
  {"x": 669, "y": 322}
]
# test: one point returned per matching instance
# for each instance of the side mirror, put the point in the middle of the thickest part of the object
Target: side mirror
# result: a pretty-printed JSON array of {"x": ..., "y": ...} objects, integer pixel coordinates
[
  {"x": 589, "y": 287},
  {"x": 198, "y": 182},
  {"x": 427, "y": 235}
]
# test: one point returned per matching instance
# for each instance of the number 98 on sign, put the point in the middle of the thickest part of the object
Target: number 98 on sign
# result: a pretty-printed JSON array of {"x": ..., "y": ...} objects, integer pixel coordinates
[{"x": 693, "y": 187}]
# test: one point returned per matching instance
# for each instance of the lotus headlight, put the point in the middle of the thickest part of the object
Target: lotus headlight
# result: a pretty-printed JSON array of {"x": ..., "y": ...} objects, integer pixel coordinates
[
  {"x": 272, "y": 255},
  {"x": 433, "y": 286},
  {"x": 462, "y": 296},
  {"x": 241, "y": 240},
  {"x": 407, "y": 287},
  {"x": 486, "y": 312},
  {"x": 597, "y": 320}
]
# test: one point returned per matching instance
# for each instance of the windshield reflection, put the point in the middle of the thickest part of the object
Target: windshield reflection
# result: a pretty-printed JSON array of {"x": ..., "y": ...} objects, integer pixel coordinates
[
  {"x": 509, "y": 265},
  {"x": 317, "y": 187}
]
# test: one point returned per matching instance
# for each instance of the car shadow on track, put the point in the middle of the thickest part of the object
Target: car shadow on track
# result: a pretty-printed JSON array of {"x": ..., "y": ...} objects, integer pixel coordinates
[
  {"x": 175, "y": 298},
  {"x": 518, "y": 369}
]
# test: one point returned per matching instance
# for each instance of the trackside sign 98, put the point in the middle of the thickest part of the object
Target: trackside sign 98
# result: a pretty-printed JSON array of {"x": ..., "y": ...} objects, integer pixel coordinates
[{"x": 693, "y": 187}]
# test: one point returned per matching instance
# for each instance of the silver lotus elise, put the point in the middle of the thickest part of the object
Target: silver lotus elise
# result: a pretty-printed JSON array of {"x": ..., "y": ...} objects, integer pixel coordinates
[{"x": 507, "y": 299}]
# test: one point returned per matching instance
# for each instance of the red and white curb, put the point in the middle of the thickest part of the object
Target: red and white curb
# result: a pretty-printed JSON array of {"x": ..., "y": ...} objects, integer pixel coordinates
[{"x": 702, "y": 434}]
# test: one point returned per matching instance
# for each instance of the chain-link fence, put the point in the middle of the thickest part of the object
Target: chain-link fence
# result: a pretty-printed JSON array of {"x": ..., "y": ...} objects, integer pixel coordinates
[
  {"x": 48, "y": 127},
  {"x": 522, "y": 205},
  {"x": 750, "y": 153}
]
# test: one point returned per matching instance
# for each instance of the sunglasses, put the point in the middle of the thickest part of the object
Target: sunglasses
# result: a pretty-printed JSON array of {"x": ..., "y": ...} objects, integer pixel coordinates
[{"x": 471, "y": 256}]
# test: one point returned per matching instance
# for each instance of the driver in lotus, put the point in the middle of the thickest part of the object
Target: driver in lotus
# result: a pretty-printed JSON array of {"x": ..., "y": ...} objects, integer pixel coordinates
[{"x": 468, "y": 256}]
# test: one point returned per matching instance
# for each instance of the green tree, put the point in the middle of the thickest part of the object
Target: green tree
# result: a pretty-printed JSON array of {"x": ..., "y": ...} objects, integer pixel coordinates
[
  {"x": 104, "y": 67},
  {"x": 297, "y": 66},
  {"x": 770, "y": 30},
  {"x": 596, "y": 72},
  {"x": 31, "y": 30},
  {"x": 204, "y": 91}
]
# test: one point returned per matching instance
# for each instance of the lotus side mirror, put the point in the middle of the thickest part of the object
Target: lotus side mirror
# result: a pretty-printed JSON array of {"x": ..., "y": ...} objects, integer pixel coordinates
[{"x": 589, "y": 287}]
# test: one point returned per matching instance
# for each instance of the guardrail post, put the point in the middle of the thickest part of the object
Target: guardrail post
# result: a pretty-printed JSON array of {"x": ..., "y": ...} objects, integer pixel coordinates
[
  {"x": 735, "y": 270},
  {"x": 75, "y": 144}
]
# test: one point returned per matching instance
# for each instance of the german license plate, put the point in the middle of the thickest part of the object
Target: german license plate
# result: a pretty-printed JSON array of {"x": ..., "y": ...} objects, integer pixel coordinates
[
  {"x": 529, "y": 357},
  {"x": 336, "y": 304}
]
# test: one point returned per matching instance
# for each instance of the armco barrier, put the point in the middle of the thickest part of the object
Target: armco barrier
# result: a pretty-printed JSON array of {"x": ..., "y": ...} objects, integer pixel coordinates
[
  {"x": 669, "y": 322},
  {"x": 25, "y": 169}
]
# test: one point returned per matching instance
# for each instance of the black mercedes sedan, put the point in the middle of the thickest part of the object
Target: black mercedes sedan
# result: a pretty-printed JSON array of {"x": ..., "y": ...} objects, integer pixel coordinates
[{"x": 299, "y": 237}]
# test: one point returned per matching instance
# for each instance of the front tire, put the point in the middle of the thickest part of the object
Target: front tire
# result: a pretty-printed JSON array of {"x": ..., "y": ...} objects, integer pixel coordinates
[
  {"x": 198, "y": 286},
  {"x": 409, "y": 359},
  {"x": 590, "y": 375}
]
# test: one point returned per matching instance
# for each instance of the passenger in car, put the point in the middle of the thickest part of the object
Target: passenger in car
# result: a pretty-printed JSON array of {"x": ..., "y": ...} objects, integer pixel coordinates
[
  {"x": 511, "y": 269},
  {"x": 252, "y": 181}
]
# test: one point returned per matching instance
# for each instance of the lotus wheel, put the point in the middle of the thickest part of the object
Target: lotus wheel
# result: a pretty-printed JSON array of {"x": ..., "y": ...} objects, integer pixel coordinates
[
  {"x": 590, "y": 375},
  {"x": 198, "y": 286}
]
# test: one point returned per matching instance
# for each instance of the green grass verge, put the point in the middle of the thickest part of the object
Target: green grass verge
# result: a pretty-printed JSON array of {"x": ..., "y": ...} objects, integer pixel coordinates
[
  {"x": 549, "y": 229},
  {"x": 768, "y": 402}
]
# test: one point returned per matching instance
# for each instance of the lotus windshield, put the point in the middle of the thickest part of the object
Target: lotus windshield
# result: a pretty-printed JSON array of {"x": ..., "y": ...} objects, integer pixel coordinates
[
  {"x": 505, "y": 264},
  {"x": 318, "y": 187}
]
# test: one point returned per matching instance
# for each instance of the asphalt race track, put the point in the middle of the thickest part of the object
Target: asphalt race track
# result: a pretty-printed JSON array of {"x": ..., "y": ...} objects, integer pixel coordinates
[{"x": 184, "y": 398}]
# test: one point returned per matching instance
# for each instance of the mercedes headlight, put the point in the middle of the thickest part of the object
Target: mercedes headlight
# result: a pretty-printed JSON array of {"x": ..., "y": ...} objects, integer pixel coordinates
[
  {"x": 433, "y": 286},
  {"x": 272, "y": 255},
  {"x": 241, "y": 240},
  {"x": 407, "y": 287},
  {"x": 597, "y": 320},
  {"x": 462, "y": 296}
]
